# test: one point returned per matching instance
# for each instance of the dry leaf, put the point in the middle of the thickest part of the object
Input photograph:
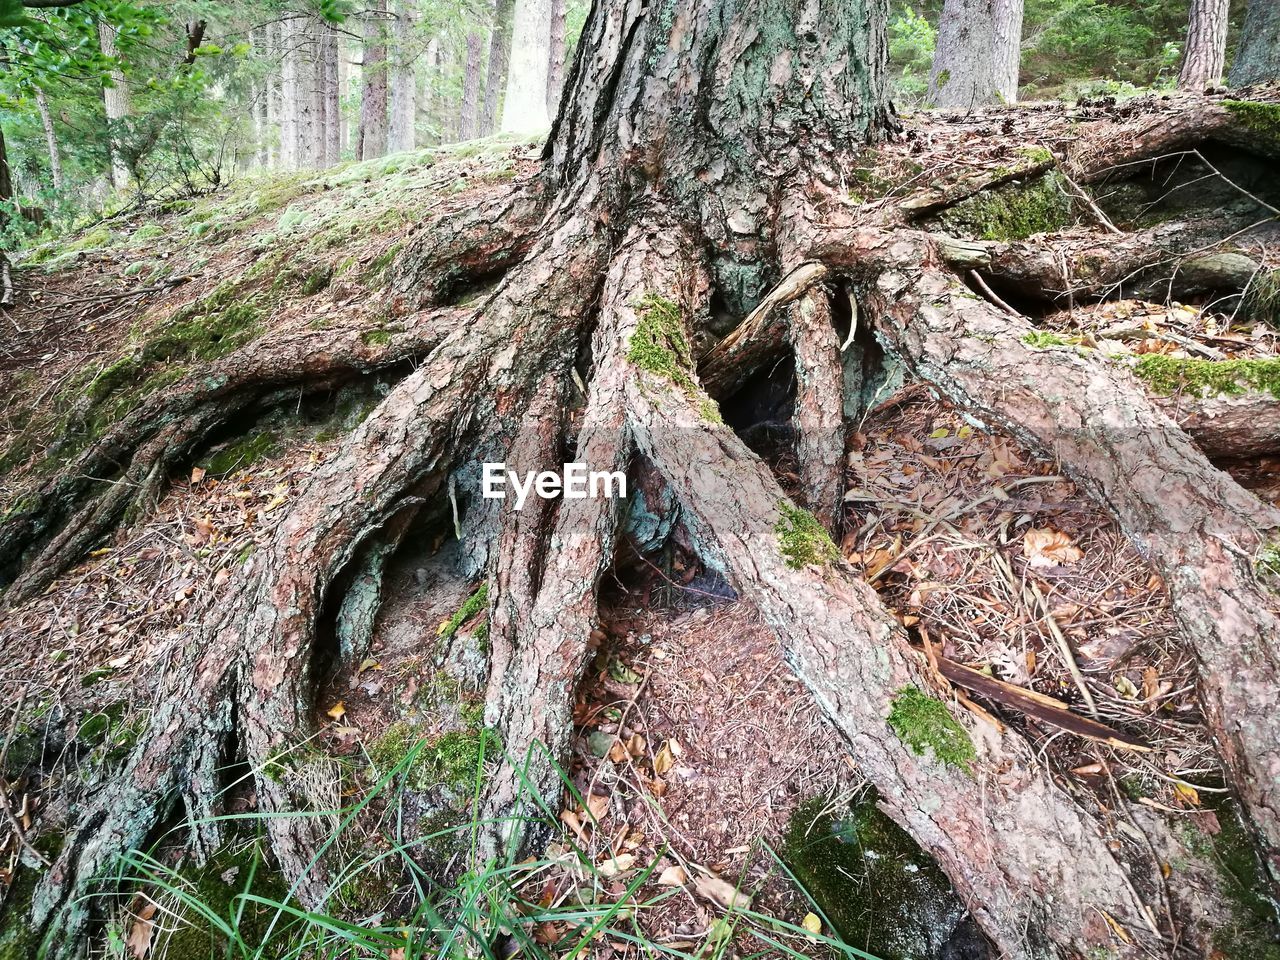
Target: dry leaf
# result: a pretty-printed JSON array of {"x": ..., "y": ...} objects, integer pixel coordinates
[
  {"x": 615, "y": 865},
  {"x": 1187, "y": 792},
  {"x": 721, "y": 892},
  {"x": 597, "y": 806},
  {"x": 139, "y": 942},
  {"x": 665, "y": 760},
  {"x": 673, "y": 877},
  {"x": 1045, "y": 547},
  {"x": 337, "y": 711},
  {"x": 197, "y": 474},
  {"x": 812, "y": 923}
]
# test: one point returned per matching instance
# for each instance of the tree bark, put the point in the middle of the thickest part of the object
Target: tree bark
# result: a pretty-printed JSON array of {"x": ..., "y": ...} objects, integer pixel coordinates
[
  {"x": 525, "y": 108},
  {"x": 555, "y": 65},
  {"x": 495, "y": 78},
  {"x": 1257, "y": 58},
  {"x": 50, "y": 139},
  {"x": 372, "y": 139},
  {"x": 468, "y": 116},
  {"x": 1205, "y": 52},
  {"x": 330, "y": 95},
  {"x": 289, "y": 92},
  {"x": 403, "y": 82},
  {"x": 975, "y": 62},
  {"x": 116, "y": 100},
  {"x": 272, "y": 134}
]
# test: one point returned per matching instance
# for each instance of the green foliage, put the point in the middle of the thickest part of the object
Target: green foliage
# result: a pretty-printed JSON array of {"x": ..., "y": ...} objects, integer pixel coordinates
[
  {"x": 911, "y": 43},
  {"x": 926, "y": 725},
  {"x": 1166, "y": 375},
  {"x": 803, "y": 540},
  {"x": 1044, "y": 339}
]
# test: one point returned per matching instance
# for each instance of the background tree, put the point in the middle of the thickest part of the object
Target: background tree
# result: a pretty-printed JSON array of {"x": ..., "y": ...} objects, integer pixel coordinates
[
  {"x": 1258, "y": 58},
  {"x": 372, "y": 140},
  {"x": 496, "y": 72},
  {"x": 524, "y": 109},
  {"x": 1205, "y": 53},
  {"x": 978, "y": 53}
]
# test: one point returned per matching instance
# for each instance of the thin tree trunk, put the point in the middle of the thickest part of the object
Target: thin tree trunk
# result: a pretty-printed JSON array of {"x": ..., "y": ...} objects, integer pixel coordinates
[
  {"x": 431, "y": 99},
  {"x": 116, "y": 100},
  {"x": 495, "y": 78},
  {"x": 555, "y": 64},
  {"x": 289, "y": 40},
  {"x": 975, "y": 63},
  {"x": 6, "y": 194},
  {"x": 271, "y": 132},
  {"x": 525, "y": 109},
  {"x": 403, "y": 82},
  {"x": 50, "y": 139},
  {"x": 310, "y": 128},
  {"x": 330, "y": 95},
  {"x": 468, "y": 121},
  {"x": 373, "y": 96},
  {"x": 1258, "y": 57},
  {"x": 1205, "y": 53}
]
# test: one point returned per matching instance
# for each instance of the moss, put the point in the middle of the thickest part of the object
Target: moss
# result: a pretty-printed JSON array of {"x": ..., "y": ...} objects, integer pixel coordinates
[
  {"x": 241, "y": 454},
  {"x": 452, "y": 759},
  {"x": 658, "y": 344},
  {"x": 709, "y": 410},
  {"x": 376, "y": 338},
  {"x": 1166, "y": 375},
  {"x": 1260, "y": 119},
  {"x": 926, "y": 725},
  {"x": 878, "y": 889},
  {"x": 471, "y": 606},
  {"x": 17, "y": 934},
  {"x": 1013, "y": 211},
  {"x": 222, "y": 887},
  {"x": 802, "y": 539},
  {"x": 1036, "y": 155},
  {"x": 1043, "y": 339},
  {"x": 1249, "y": 931},
  {"x": 317, "y": 280}
]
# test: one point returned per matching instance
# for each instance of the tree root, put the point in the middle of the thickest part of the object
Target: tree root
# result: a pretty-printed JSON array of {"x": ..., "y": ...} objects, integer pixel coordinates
[
  {"x": 819, "y": 406},
  {"x": 1203, "y": 533}
]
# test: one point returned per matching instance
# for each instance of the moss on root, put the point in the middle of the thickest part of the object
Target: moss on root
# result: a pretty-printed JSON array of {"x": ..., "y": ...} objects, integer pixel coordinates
[
  {"x": 451, "y": 759},
  {"x": 1260, "y": 119},
  {"x": 1014, "y": 211},
  {"x": 659, "y": 344},
  {"x": 926, "y": 726},
  {"x": 1166, "y": 375},
  {"x": 803, "y": 540},
  {"x": 1044, "y": 339},
  {"x": 471, "y": 606}
]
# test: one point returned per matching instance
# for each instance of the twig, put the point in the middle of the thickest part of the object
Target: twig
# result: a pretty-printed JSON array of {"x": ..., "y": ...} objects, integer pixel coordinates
[
  {"x": 1089, "y": 202},
  {"x": 991, "y": 294}
]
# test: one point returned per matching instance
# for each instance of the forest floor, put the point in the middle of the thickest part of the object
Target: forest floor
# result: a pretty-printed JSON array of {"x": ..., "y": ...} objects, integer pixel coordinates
[{"x": 696, "y": 756}]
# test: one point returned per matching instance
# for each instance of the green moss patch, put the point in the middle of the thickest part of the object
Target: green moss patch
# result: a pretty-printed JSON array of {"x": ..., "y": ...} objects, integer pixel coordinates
[
  {"x": 475, "y": 603},
  {"x": 870, "y": 880},
  {"x": 1044, "y": 339},
  {"x": 659, "y": 344},
  {"x": 1166, "y": 375},
  {"x": 1260, "y": 119},
  {"x": 241, "y": 454},
  {"x": 803, "y": 540},
  {"x": 927, "y": 726},
  {"x": 451, "y": 759},
  {"x": 1013, "y": 211}
]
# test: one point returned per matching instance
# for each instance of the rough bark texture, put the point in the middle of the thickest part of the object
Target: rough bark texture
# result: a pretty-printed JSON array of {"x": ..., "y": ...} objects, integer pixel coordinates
[
  {"x": 975, "y": 62},
  {"x": 468, "y": 118},
  {"x": 372, "y": 139},
  {"x": 495, "y": 78},
  {"x": 50, "y": 139},
  {"x": 330, "y": 96},
  {"x": 524, "y": 109},
  {"x": 555, "y": 62},
  {"x": 1257, "y": 59},
  {"x": 1205, "y": 53}
]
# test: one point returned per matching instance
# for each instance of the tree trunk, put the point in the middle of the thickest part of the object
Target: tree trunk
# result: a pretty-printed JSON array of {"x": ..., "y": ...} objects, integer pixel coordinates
[
  {"x": 1205, "y": 52},
  {"x": 975, "y": 62},
  {"x": 1258, "y": 55},
  {"x": 309, "y": 131},
  {"x": 555, "y": 65},
  {"x": 372, "y": 139},
  {"x": 331, "y": 96},
  {"x": 525, "y": 108},
  {"x": 50, "y": 139},
  {"x": 403, "y": 82},
  {"x": 289, "y": 92},
  {"x": 495, "y": 78},
  {"x": 116, "y": 99},
  {"x": 272, "y": 135},
  {"x": 468, "y": 118},
  {"x": 6, "y": 195}
]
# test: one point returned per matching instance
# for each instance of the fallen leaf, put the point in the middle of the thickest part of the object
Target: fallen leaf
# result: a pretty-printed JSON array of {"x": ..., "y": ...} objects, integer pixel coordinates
[
  {"x": 1187, "y": 792},
  {"x": 197, "y": 474},
  {"x": 337, "y": 711},
  {"x": 597, "y": 806},
  {"x": 721, "y": 892},
  {"x": 139, "y": 942},
  {"x": 368, "y": 664},
  {"x": 812, "y": 923},
  {"x": 673, "y": 877},
  {"x": 665, "y": 760},
  {"x": 1045, "y": 547},
  {"x": 615, "y": 865}
]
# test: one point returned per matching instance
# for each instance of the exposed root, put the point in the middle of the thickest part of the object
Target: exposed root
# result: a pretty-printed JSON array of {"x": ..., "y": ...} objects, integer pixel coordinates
[
  {"x": 819, "y": 405},
  {"x": 1203, "y": 533},
  {"x": 1006, "y": 836}
]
